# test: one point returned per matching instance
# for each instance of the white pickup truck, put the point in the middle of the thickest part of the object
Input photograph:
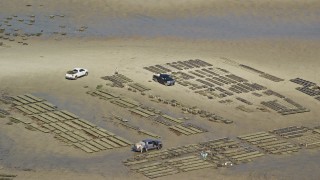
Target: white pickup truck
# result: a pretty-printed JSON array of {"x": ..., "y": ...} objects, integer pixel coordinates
[
  {"x": 147, "y": 144},
  {"x": 76, "y": 73}
]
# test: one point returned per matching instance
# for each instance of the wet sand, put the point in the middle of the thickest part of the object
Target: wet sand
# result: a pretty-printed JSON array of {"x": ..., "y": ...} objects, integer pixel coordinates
[{"x": 39, "y": 68}]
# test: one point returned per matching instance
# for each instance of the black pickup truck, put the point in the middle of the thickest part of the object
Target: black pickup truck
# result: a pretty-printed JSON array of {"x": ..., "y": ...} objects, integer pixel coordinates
[{"x": 165, "y": 79}]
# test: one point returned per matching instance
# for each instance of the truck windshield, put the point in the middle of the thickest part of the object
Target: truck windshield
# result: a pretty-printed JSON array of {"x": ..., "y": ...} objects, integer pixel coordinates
[{"x": 166, "y": 77}]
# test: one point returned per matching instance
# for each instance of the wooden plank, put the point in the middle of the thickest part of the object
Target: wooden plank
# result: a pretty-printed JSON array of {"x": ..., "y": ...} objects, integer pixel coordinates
[
  {"x": 136, "y": 162},
  {"x": 160, "y": 171},
  {"x": 97, "y": 145},
  {"x": 139, "y": 113},
  {"x": 156, "y": 152},
  {"x": 44, "y": 107},
  {"x": 53, "y": 115},
  {"x": 312, "y": 144},
  {"x": 245, "y": 154},
  {"x": 199, "y": 164},
  {"x": 130, "y": 101},
  {"x": 72, "y": 124},
  {"x": 86, "y": 144},
  {"x": 156, "y": 170},
  {"x": 40, "y": 109},
  {"x": 139, "y": 87},
  {"x": 101, "y": 133},
  {"x": 264, "y": 141},
  {"x": 172, "y": 119},
  {"x": 69, "y": 138},
  {"x": 298, "y": 131},
  {"x": 84, "y": 136},
  {"x": 48, "y": 118},
  {"x": 236, "y": 153},
  {"x": 261, "y": 138},
  {"x": 80, "y": 123},
  {"x": 180, "y": 130},
  {"x": 109, "y": 93},
  {"x": 271, "y": 143},
  {"x": 82, "y": 147},
  {"x": 58, "y": 127},
  {"x": 122, "y": 103},
  {"x": 17, "y": 98},
  {"x": 248, "y": 135},
  {"x": 144, "y": 166},
  {"x": 182, "y": 164},
  {"x": 49, "y": 105},
  {"x": 87, "y": 123},
  {"x": 44, "y": 130},
  {"x": 32, "y": 110},
  {"x": 106, "y": 145},
  {"x": 105, "y": 131},
  {"x": 195, "y": 129},
  {"x": 17, "y": 103},
  {"x": 51, "y": 119},
  {"x": 142, "y": 86},
  {"x": 41, "y": 119},
  {"x": 26, "y": 98},
  {"x": 61, "y": 114},
  {"x": 275, "y": 145},
  {"x": 111, "y": 142},
  {"x": 118, "y": 103},
  {"x": 285, "y": 150},
  {"x": 48, "y": 127},
  {"x": 104, "y": 95},
  {"x": 91, "y": 133},
  {"x": 226, "y": 144},
  {"x": 256, "y": 136},
  {"x": 183, "y": 158},
  {"x": 116, "y": 140},
  {"x": 57, "y": 131},
  {"x": 316, "y": 130},
  {"x": 69, "y": 114},
  {"x": 148, "y": 133},
  {"x": 34, "y": 97},
  {"x": 65, "y": 126},
  {"x": 186, "y": 129},
  {"x": 37, "y": 127},
  {"x": 190, "y": 160},
  {"x": 123, "y": 140},
  {"x": 155, "y": 155},
  {"x": 312, "y": 141},
  {"x": 216, "y": 143},
  {"x": 250, "y": 157},
  {"x": 145, "y": 111},
  {"x": 164, "y": 174},
  {"x": 148, "y": 168},
  {"x": 40, "y": 104},
  {"x": 77, "y": 137},
  {"x": 22, "y": 109},
  {"x": 34, "y": 125},
  {"x": 309, "y": 139}
]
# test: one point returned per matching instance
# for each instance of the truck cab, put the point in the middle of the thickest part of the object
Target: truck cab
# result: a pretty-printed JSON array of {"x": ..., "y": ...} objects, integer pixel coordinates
[
  {"x": 147, "y": 144},
  {"x": 165, "y": 79}
]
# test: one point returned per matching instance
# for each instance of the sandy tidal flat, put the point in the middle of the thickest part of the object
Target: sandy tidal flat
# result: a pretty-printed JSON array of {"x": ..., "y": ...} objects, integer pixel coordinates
[{"x": 279, "y": 38}]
